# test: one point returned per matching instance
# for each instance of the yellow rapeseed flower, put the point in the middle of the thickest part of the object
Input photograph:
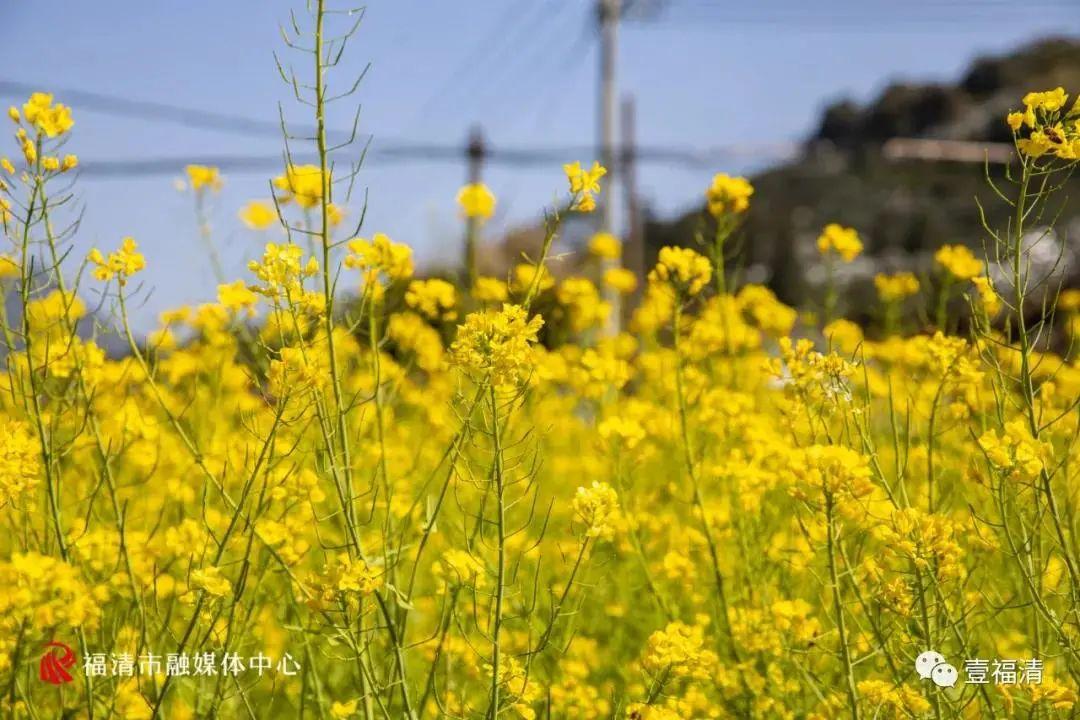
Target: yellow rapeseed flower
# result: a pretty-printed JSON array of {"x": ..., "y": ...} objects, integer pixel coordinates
[
  {"x": 958, "y": 261},
  {"x": 728, "y": 195},
  {"x": 20, "y": 464},
  {"x": 679, "y": 651},
  {"x": 204, "y": 177},
  {"x": 258, "y": 215},
  {"x": 238, "y": 297},
  {"x": 605, "y": 245},
  {"x": 476, "y": 201},
  {"x": 211, "y": 581},
  {"x": 894, "y": 288},
  {"x": 1049, "y": 101},
  {"x": 683, "y": 269},
  {"x": 9, "y": 268},
  {"x": 525, "y": 275},
  {"x": 843, "y": 241},
  {"x": 595, "y": 507},
  {"x": 121, "y": 264},
  {"x": 39, "y": 111},
  {"x": 282, "y": 271},
  {"x": 302, "y": 183},
  {"x": 582, "y": 301},
  {"x": 489, "y": 289},
  {"x": 344, "y": 710},
  {"x": 989, "y": 300},
  {"x": 1053, "y": 130},
  {"x": 621, "y": 280},
  {"x": 584, "y": 184},
  {"x": 434, "y": 298},
  {"x": 1014, "y": 451},
  {"x": 497, "y": 344},
  {"x": 380, "y": 255}
]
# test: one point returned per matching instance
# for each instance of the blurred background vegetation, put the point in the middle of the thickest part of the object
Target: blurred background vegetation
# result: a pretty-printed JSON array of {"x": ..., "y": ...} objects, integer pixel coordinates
[{"x": 903, "y": 208}]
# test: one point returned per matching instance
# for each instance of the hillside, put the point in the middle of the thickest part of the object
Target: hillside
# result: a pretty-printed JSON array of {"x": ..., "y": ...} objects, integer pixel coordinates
[{"x": 902, "y": 209}]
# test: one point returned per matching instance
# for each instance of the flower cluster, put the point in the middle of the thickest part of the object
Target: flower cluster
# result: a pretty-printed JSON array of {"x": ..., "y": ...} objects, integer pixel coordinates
[
  {"x": 582, "y": 302},
  {"x": 238, "y": 297},
  {"x": 293, "y": 371},
  {"x": 834, "y": 472},
  {"x": 843, "y": 241},
  {"x": 258, "y": 215},
  {"x": 728, "y": 195},
  {"x": 812, "y": 376},
  {"x": 282, "y": 271},
  {"x": 1014, "y": 452},
  {"x": 302, "y": 184},
  {"x": 211, "y": 581},
  {"x": 989, "y": 300},
  {"x": 1051, "y": 129},
  {"x": 457, "y": 568},
  {"x": 121, "y": 264},
  {"x": 20, "y": 463},
  {"x": 497, "y": 344},
  {"x": 417, "y": 339},
  {"x": 928, "y": 541},
  {"x": 380, "y": 257},
  {"x": 775, "y": 629},
  {"x": 887, "y": 699},
  {"x": 584, "y": 185},
  {"x": 894, "y": 288},
  {"x": 44, "y": 116},
  {"x": 40, "y": 591},
  {"x": 490, "y": 290},
  {"x": 476, "y": 201},
  {"x": 678, "y": 650},
  {"x": 620, "y": 280},
  {"x": 606, "y": 246},
  {"x": 341, "y": 579},
  {"x": 434, "y": 298},
  {"x": 527, "y": 276},
  {"x": 684, "y": 270},
  {"x": 596, "y": 507},
  {"x": 958, "y": 261},
  {"x": 204, "y": 177}
]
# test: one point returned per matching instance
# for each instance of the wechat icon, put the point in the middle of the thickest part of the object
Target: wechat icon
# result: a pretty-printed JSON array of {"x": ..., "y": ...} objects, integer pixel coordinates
[{"x": 931, "y": 665}]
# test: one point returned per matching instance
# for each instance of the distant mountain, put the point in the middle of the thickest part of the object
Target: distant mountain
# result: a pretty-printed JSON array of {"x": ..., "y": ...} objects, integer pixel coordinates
[{"x": 902, "y": 208}]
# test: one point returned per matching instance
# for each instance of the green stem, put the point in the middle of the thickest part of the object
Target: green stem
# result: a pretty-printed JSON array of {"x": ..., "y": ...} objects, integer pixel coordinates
[
  {"x": 838, "y": 608},
  {"x": 692, "y": 472},
  {"x": 500, "y": 520}
]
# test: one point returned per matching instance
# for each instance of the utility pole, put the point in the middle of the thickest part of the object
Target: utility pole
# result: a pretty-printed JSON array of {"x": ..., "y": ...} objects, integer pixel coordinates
[
  {"x": 634, "y": 250},
  {"x": 607, "y": 13},
  {"x": 475, "y": 151}
]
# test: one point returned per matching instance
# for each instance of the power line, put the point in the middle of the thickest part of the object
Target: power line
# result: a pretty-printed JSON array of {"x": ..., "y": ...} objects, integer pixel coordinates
[
  {"x": 864, "y": 10},
  {"x": 504, "y": 30},
  {"x": 931, "y": 4},
  {"x": 382, "y": 152},
  {"x": 552, "y": 100},
  {"x": 159, "y": 112},
  {"x": 913, "y": 15},
  {"x": 508, "y": 72},
  {"x": 517, "y": 157}
]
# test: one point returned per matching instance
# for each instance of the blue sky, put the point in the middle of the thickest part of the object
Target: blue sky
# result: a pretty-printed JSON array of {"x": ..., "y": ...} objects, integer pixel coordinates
[{"x": 703, "y": 76}]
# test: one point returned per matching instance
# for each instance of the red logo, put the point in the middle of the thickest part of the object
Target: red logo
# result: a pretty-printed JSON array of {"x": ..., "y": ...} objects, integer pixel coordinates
[{"x": 54, "y": 664}]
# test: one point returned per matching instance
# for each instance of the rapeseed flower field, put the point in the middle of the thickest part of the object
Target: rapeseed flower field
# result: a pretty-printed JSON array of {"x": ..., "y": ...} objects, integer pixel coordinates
[{"x": 338, "y": 490}]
